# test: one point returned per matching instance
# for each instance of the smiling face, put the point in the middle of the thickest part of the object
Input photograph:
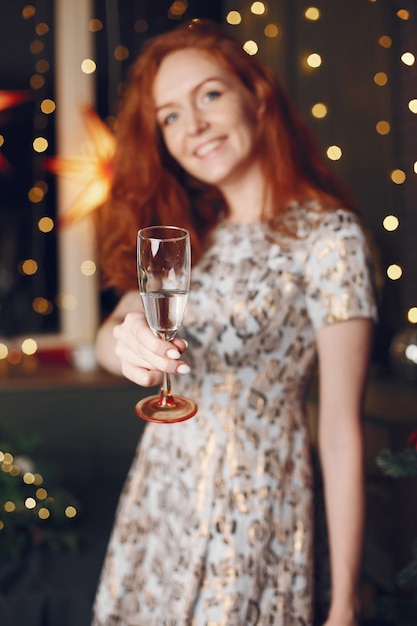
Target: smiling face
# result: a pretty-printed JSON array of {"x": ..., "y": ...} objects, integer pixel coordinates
[{"x": 207, "y": 118}]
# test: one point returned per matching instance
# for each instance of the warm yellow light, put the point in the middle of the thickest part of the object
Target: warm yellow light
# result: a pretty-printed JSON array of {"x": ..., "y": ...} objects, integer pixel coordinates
[
  {"x": 314, "y": 60},
  {"x": 412, "y": 105},
  {"x": 1, "y": 140},
  {"x": 334, "y": 153},
  {"x": 319, "y": 110},
  {"x": 412, "y": 315},
  {"x": 28, "y": 11},
  {"x": 394, "y": 272},
  {"x": 391, "y": 222},
  {"x": 383, "y": 127},
  {"x": 48, "y": 106},
  {"x": 398, "y": 177},
  {"x": 42, "y": 306},
  {"x": 141, "y": 26},
  {"x": 70, "y": 511},
  {"x": 29, "y": 267},
  {"x": 250, "y": 47},
  {"x": 9, "y": 506},
  {"x": 88, "y": 66},
  {"x": 28, "y": 478},
  {"x": 30, "y": 503},
  {"x": 177, "y": 9},
  {"x": 29, "y": 346},
  {"x": 95, "y": 25},
  {"x": 36, "y": 46},
  {"x": 40, "y": 144},
  {"x": 37, "y": 479},
  {"x": 121, "y": 53},
  {"x": 37, "y": 81},
  {"x": 88, "y": 268},
  {"x": 271, "y": 30},
  {"x": 44, "y": 513},
  {"x": 46, "y": 224},
  {"x": 41, "y": 493},
  {"x": 258, "y": 8},
  {"x": 408, "y": 58},
  {"x": 42, "y": 66},
  {"x": 4, "y": 351},
  {"x": 36, "y": 194},
  {"x": 415, "y": 167},
  {"x": 385, "y": 41},
  {"x": 41, "y": 29},
  {"x": 403, "y": 14},
  {"x": 312, "y": 13},
  {"x": 233, "y": 18},
  {"x": 8, "y": 458},
  {"x": 380, "y": 79}
]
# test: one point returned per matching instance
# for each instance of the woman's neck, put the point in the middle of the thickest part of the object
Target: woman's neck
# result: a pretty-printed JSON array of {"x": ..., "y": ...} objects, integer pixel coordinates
[{"x": 246, "y": 198}]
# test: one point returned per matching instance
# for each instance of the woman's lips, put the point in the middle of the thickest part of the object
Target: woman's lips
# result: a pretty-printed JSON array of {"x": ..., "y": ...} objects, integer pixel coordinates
[{"x": 208, "y": 147}]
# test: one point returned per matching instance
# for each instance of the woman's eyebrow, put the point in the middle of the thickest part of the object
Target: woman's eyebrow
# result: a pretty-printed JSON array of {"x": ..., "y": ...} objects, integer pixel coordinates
[{"x": 193, "y": 90}]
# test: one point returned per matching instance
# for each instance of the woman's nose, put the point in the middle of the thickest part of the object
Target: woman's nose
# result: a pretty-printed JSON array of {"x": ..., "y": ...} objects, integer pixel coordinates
[{"x": 196, "y": 121}]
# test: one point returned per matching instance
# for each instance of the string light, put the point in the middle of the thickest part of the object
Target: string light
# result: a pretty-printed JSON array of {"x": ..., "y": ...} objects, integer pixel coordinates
[
  {"x": 412, "y": 315},
  {"x": 334, "y": 153},
  {"x": 88, "y": 66},
  {"x": 383, "y": 127},
  {"x": 319, "y": 110},
  {"x": 385, "y": 41},
  {"x": 271, "y": 31},
  {"x": 250, "y": 47},
  {"x": 312, "y": 14},
  {"x": 391, "y": 223},
  {"x": 408, "y": 58},
  {"x": 398, "y": 177},
  {"x": 233, "y": 18},
  {"x": 394, "y": 272},
  {"x": 412, "y": 105},
  {"x": 258, "y": 8},
  {"x": 381, "y": 79},
  {"x": 314, "y": 60}
]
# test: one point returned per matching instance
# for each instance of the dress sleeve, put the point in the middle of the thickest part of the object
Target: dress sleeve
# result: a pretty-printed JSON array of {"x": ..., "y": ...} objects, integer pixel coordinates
[{"x": 338, "y": 272}]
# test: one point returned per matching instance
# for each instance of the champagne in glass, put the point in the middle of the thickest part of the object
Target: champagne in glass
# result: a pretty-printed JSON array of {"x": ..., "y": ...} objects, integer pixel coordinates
[{"x": 164, "y": 266}]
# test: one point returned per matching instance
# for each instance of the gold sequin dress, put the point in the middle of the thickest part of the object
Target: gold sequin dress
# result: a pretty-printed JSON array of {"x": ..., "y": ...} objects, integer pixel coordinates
[{"x": 214, "y": 526}]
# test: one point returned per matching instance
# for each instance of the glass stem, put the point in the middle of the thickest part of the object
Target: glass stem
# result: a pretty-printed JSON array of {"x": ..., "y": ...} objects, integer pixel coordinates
[{"x": 165, "y": 396}]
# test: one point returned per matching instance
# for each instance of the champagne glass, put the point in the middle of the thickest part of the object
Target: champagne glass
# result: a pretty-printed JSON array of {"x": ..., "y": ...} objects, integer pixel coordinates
[{"x": 164, "y": 265}]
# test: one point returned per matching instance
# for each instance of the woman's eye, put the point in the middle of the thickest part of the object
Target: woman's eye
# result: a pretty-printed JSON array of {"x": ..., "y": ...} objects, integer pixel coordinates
[
  {"x": 169, "y": 119},
  {"x": 211, "y": 95}
]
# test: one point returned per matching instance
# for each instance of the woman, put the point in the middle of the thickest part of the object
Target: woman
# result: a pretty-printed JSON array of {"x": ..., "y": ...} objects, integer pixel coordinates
[{"x": 215, "y": 523}]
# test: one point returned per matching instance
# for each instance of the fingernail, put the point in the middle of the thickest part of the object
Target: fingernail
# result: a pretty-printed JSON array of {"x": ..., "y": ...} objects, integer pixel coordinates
[
  {"x": 183, "y": 369},
  {"x": 186, "y": 343},
  {"x": 172, "y": 353}
]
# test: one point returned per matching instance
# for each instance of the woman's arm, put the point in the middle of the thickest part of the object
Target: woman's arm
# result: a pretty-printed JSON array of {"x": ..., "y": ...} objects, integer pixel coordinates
[
  {"x": 126, "y": 346},
  {"x": 343, "y": 350}
]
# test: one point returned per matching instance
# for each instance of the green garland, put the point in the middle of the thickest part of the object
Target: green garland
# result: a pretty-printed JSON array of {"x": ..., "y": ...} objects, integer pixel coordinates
[
  {"x": 34, "y": 510},
  {"x": 399, "y": 465}
]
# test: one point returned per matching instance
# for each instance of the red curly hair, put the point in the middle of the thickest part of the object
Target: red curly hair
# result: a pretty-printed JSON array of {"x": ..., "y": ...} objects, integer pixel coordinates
[{"x": 148, "y": 187}]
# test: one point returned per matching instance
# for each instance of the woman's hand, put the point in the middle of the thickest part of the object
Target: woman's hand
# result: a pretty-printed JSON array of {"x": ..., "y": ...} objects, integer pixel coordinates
[
  {"x": 125, "y": 345},
  {"x": 143, "y": 357}
]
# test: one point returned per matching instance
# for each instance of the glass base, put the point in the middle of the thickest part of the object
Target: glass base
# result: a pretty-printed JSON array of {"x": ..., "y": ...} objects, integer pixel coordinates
[{"x": 150, "y": 409}]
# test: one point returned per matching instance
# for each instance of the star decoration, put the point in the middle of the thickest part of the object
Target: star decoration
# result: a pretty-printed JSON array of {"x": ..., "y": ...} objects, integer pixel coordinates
[
  {"x": 9, "y": 99},
  {"x": 92, "y": 170}
]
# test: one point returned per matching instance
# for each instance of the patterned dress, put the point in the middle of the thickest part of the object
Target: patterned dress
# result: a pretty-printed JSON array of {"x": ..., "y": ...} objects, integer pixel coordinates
[{"x": 214, "y": 526}]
